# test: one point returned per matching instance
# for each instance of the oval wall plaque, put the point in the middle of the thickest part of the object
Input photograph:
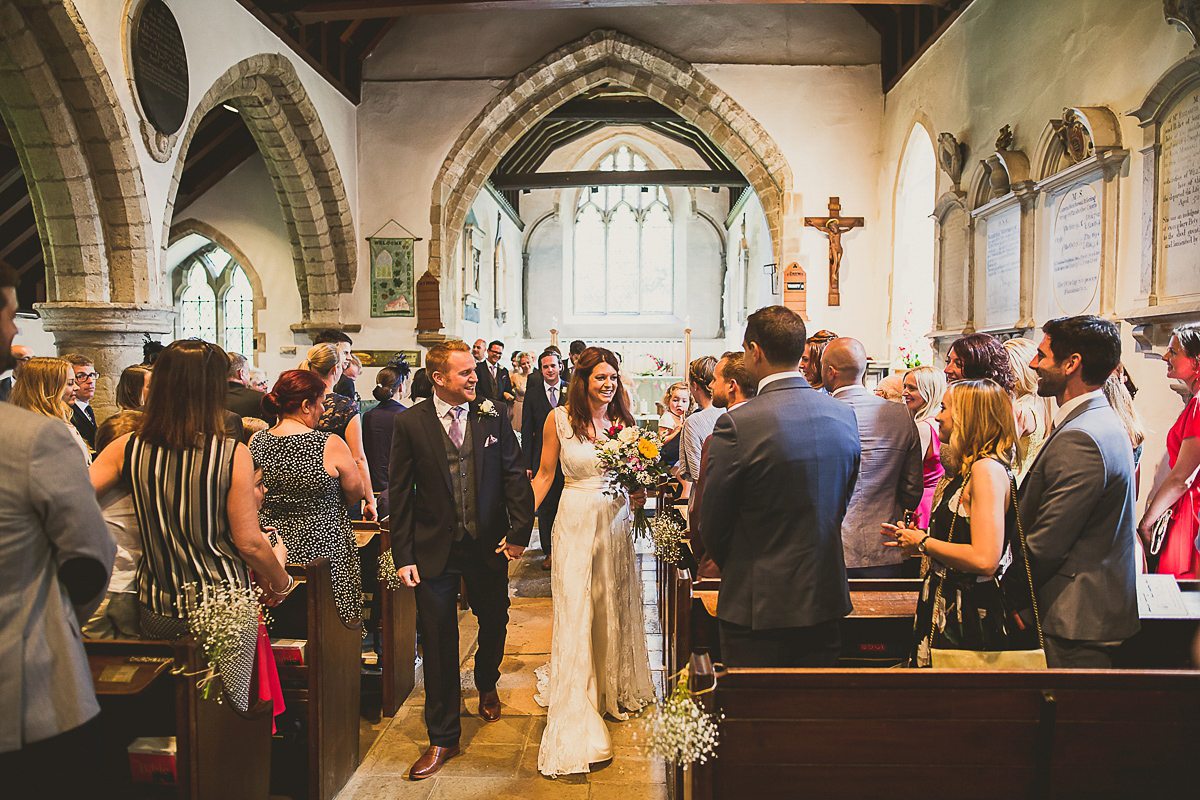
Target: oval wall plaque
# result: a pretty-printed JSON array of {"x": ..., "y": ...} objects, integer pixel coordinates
[{"x": 160, "y": 69}]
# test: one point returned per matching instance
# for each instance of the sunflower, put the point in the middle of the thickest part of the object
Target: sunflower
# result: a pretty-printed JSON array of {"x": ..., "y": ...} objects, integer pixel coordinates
[{"x": 648, "y": 448}]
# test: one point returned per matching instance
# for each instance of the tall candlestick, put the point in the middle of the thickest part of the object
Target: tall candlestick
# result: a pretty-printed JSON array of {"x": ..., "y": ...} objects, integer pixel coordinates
[{"x": 687, "y": 349}]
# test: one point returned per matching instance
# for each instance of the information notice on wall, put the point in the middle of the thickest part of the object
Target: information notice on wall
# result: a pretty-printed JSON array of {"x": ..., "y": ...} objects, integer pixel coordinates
[
  {"x": 1003, "y": 267},
  {"x": 1075, "y": 249},
  {"x": 1179, "y": 211}
]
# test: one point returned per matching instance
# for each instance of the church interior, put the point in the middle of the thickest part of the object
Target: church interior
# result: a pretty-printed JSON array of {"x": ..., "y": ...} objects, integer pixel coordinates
[{"x": 634, "y": 174}]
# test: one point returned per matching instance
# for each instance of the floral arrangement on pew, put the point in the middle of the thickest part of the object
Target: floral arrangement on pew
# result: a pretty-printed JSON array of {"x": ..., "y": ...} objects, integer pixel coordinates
[
  {"x": 388, "y": 575},
  {"x": 680, "y": 730},
  {"x": 220, "y": 620},
  {"x": 659, "y": 366},
  {"x": 632, "y": 460},
  {"x": 667, "y": 533}
]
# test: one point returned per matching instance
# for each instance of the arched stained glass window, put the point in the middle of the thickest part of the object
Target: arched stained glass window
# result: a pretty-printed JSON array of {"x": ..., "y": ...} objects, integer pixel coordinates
[
  {"x": 197, "y": 306},
  {"x": 624, "y": 262},
  {"x": 239, "y": 313},
  {"x": 214, "y": 300}
]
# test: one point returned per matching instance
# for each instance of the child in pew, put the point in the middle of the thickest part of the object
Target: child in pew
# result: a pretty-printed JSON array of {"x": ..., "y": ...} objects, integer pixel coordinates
[{"x": 117, "y": 616}]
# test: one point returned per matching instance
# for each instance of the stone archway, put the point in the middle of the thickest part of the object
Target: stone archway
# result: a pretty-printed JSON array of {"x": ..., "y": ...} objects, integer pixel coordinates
[
  {"x": 273, "y": 103},
  {"x": 603, "y": 56},
  {"x": 75, "y": 149}
]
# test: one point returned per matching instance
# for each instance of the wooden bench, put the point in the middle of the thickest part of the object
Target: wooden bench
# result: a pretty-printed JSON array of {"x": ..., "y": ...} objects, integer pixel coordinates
[
  {"x": 220, "y": 752},
  {"x": 324, "y": 691},
  {"x": 838, "y": 733},
  {"x": 398, "y": 661}
]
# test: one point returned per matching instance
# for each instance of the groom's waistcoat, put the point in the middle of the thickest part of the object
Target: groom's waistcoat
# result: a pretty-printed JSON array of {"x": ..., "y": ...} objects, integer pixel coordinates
[{"x": 462, "y": 482}]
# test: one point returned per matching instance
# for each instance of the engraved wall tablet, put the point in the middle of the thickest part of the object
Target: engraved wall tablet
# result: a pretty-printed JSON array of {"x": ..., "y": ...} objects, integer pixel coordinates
[
  {"x": 1075, "y": 249},
  {"x": 160, "y": 69},
  {"x": 1179, "y": 206},
  {"x": 1002, "y": 267}
]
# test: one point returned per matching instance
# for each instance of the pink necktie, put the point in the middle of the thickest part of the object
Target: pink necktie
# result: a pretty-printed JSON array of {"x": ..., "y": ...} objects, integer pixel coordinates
[{"x": 456, "y": 430}]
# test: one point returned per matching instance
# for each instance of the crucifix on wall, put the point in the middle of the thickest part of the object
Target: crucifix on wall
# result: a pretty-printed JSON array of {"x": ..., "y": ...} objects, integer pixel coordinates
[{"x": 834, "y": 226}]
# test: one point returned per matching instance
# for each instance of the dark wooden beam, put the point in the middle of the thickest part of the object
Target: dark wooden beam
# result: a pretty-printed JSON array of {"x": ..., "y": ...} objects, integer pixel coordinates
[
  {"x": 615, "y": 111},
  {"x": 15, "y": 208},
  {"x": 17, "y": 241},
  {"x": 653, "y": 177},
  {"x": 377, "y": 9},
  {"x": 274, "y": 27}
]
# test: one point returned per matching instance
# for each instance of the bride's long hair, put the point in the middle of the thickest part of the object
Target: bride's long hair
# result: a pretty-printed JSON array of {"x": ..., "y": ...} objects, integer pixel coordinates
[{"x": 579, "y": 410}]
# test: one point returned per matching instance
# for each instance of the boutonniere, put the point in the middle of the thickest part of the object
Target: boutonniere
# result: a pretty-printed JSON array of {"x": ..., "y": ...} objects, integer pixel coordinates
[{"x": 487, "y": 409}]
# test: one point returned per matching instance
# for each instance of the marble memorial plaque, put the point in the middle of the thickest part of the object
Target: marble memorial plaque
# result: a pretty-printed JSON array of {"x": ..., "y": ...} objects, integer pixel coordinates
[
  {"x": 1179, "y": 222},
  {"x": 160, "y": 69},
  {"x": 1075, "y": 249},
  {"x": 952, "y": 287},
  {"x": 1003, "y": 267}
]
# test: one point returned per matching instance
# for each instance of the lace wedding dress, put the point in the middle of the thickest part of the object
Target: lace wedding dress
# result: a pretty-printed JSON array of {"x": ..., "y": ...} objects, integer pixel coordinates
[{"x": 598, "y": 660}]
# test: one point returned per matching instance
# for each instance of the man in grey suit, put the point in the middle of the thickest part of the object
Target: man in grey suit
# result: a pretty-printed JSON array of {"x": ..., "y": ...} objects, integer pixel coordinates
[
  {"x": 1077, "y": 500},
  {"x": 57, "y": 559},
  {"x": 890, "y": 480},
  {"x": 781, "y": 469}
]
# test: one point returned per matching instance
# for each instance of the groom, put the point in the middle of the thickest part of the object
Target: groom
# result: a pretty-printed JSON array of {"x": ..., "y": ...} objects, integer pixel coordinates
[{"x": 461, "y": 508}]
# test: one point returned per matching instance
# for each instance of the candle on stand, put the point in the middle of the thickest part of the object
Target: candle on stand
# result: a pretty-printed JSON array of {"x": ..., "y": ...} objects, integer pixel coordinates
[{"x": 687, "y": 349}]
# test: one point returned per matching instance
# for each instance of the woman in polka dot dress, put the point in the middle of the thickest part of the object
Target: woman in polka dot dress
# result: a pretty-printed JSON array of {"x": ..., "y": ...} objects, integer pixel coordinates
[{"x": 310, "y": 478}]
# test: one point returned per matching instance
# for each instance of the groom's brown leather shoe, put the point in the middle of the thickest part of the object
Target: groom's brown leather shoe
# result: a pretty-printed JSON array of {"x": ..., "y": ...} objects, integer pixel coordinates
[
  {"x": 431, "y": 762},
  {"x": 489, "y": 706}
]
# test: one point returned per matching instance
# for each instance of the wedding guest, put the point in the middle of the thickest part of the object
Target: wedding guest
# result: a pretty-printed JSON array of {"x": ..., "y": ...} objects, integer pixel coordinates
[
  {"x": 117, "y": 616},
  {"x": 494, "y": 381},
  {"x": 310, "y": 478},
  {"x": 342, "y": 343},
  {"x": 780, "y": 475},
  {"x": 923, "y": 391},
  {"x": 339, "y": 413},
  {"x": 258, "y": 381},
  {"x": 82, "y": 415},
  {"x": 977, "y": 356},
  {"x": 972, "y": 520},
  {"x": 699, "y": 425},
  {"x": 1033, "y": 412},
  {"x": 20, "y": 354},
  {"x": 44, "y": 386},
  {"x": 379, "y": 422},
  {"x": 889, "y": 474},
  {"x": 522, "y": 367},
  {"x": 350, "y": 372},
  {"x": 891, "y": 387},
  {"x": 545, "y": 393},
  {"x": 479, "y": 351},
  {"x": 675, "y": 402},
  {"x": 810, "y": 360},
  {"x": 132, "y": 389},
  {"x": 422, "y": 387},
  {"x": 1121, "y": 400},
  {"x": 242, "y": 399},
  {"x": 55, "y": 560},
  {"x": 1077, "y": 500},
  {"x": 193, "y": 492},
  {"x": 1179, "y": 492}
]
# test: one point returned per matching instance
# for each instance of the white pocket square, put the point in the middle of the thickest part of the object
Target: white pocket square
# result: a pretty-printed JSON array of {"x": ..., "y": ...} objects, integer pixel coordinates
[{"x": 491, "y": 440}]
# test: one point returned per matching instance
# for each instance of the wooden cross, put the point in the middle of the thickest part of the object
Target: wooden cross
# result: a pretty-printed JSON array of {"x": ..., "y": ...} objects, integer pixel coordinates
[{"x": 834, "y": 226}]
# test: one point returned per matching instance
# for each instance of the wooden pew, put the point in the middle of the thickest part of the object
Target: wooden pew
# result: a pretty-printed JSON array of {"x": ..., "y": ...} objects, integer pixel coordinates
[
  {"x": 220, "y": 752},
  {"x": 399, "y": 657},
  {"x": 324, "y": 691},
  {"x": 837, "y": 733}
]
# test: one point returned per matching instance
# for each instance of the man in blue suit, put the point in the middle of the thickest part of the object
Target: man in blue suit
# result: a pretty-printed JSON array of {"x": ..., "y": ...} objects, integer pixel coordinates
[{"x": 781, "y": 471}]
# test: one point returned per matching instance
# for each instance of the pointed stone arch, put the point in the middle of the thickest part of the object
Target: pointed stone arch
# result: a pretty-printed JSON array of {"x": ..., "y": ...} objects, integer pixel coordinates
[
  {"x": 273, "y": 103},
  {"x": 74, "y": 145},
  {"x": 603, "y": 56}
]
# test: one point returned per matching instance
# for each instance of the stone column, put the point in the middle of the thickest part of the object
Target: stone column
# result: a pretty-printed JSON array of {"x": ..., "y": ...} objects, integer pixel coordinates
[{"x": 111, "y": 334}]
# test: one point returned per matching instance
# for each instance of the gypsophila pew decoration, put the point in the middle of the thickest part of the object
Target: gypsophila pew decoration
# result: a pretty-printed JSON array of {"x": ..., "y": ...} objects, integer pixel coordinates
[
  {"x": 388, "y": 575},
  {"x": 219, "y": 622},
  {"x": 632, "y": 459},
  {"x": 667, "y": 533},
  {"x": 680, "y": 730}
]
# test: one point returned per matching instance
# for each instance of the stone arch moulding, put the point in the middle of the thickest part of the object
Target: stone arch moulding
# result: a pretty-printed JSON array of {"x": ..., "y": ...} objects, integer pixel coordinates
[
  {"x": 603, "y": 56},
  {"x": 188, "y": 226},
  {"x": 273, "y": 103},
  {"x": 78, "y": 158}
]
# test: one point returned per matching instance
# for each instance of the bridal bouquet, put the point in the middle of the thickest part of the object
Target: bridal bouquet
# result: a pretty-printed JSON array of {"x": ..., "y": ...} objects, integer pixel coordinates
[
  {"x": 220, "y": 620},
  {"x": 631, "y": 460}
]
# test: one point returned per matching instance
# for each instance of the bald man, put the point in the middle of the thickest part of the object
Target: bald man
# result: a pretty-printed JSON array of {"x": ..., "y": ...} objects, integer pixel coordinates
[
  {"x": 889, "y": 476},
  {"x": 20, "y": 354}
]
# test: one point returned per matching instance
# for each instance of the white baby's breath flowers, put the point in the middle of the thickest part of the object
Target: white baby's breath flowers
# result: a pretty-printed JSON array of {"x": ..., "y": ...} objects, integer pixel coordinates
[
  {"x": 388, "y": 575},
  {"x": 220, "y": 619},
  {"x": 666, "y": 532},
  {"x": 681, "y": 731}
]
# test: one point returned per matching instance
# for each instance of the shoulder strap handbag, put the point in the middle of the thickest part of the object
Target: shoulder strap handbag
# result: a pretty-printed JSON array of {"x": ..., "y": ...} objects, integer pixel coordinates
[{"x": 943, "y": 658}]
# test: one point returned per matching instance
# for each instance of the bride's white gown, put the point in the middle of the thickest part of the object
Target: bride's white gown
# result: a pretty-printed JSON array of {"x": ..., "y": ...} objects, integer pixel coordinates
[{"x": 598, "y": 660}]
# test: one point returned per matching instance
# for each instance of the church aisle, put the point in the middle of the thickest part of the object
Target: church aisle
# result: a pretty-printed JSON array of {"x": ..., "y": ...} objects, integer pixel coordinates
[{"x": 499, "y": 760}]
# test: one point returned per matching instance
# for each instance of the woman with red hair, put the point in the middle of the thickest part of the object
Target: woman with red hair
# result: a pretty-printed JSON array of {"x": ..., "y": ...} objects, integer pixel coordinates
[
  {"x": 598, "y": 659},
  {"x": 310, "y": 478}
]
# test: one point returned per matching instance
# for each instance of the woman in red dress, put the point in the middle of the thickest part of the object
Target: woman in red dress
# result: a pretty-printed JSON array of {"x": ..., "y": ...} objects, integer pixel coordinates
[{"x": 1179, "y": 492}]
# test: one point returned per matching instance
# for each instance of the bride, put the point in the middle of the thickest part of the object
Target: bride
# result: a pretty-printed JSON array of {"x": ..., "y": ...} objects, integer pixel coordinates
[{"x": 598, "y": 660}]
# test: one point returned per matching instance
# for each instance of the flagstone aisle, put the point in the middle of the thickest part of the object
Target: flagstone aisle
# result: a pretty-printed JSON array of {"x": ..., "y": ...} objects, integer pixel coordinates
[{"x": 499, "y": 759}]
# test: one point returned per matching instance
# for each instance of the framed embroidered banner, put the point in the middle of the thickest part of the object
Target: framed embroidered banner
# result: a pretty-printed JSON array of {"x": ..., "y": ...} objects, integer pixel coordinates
[{"x": 392, "y": 284}]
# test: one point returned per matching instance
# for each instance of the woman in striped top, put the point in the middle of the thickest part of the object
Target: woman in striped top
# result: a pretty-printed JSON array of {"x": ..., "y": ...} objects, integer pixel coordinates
[{"x": 193, "y": 491}]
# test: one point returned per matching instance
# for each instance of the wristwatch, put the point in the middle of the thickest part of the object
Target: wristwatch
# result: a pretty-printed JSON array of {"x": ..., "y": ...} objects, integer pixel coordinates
[{"x": 921, "y": 544}]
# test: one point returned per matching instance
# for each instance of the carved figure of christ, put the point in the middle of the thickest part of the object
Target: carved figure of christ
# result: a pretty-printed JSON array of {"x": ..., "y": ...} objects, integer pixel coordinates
[{"x": 834, "y": 226}]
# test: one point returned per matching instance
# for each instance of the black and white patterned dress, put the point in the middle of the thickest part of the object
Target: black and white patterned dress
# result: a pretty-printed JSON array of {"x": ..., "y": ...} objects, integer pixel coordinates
[{"x": 305, "y": 504}]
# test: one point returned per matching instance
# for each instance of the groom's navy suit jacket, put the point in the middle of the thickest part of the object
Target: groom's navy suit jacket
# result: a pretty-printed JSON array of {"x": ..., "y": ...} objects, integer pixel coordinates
[
  {"x": 781, "y": 469},
  {"x": 421, "y": 498}
]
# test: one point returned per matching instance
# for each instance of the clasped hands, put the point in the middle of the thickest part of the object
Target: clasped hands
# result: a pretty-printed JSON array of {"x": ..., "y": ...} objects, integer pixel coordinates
[{"x": 904, "y": 536}]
